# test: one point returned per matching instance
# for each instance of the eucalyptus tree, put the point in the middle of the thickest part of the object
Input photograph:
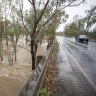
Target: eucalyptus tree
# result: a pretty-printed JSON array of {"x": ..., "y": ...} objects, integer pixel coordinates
[
  {"x": 1, "y": 30},
  {"x": 15, "y": 30},
  {"x": 76, "y": 27},
  {"x": 80, "y": 22},
  {"x": 14, "y": 35},
  {"x": 4, "y": 23},
  {"x": 90, "y": 18},
  {"x": 92, "y": 34},
  {"x": 10, "y": 28},
  {"x": 6, "y": 10},
  {"x": 50, "y": 28},
  {"x": 37, "y": 20},
  {"x": 71, "y": 29}
]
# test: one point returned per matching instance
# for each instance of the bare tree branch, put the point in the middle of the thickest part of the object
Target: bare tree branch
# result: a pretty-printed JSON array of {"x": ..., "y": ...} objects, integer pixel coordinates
[
  {"x": 39, "y": 3},
  {"x": 30, "y": 2},
  {"x": 22, "y": 17},
  {"x": 36, "y": 24},
  {"x": 43, "y": 11},
  {"x": 33, "y": 3},
  {"x": 77, "y": 4},
  {"x": 57, "y": 11},
  {"x": 34, "y": 7},
  {"x": 24, "y": 48}
]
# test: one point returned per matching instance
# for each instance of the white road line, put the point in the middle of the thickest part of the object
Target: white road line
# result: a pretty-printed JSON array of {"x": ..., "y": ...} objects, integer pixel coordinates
[{"x": 86, "y": 76}]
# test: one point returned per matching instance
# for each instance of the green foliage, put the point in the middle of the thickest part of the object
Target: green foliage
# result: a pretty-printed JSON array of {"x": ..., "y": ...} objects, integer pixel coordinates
[
  {"x": 44, "y": 92},
  {"x": 91, "y": 17},
  {"x": 52, "y": 25},
  {"x": 92, "y": 35},
  {"x": 76, "y": 27},
  {"x": 71, "y": 30}
]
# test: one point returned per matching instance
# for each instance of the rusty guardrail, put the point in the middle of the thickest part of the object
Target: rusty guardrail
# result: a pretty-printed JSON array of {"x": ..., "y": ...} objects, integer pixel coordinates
[{"x": 32, "y": 86}]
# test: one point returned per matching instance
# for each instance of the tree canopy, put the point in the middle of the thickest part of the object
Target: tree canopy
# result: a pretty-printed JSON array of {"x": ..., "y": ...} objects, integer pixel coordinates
[
  {"x": 83, "y": 25},
  {"x": 40, "y": 20},
  {"x": 91, "y": 17}
]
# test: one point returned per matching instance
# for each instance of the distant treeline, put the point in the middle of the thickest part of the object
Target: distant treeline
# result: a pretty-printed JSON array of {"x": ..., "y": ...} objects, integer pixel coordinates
[
  {"x": 73, "y": 30},
  {"x": 86, "y": 25},
  {"x": 59, "y": 33}
]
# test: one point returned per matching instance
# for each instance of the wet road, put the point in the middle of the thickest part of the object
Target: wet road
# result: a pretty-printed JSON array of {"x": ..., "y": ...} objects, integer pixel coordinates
[{"x": 76, "y": 65}]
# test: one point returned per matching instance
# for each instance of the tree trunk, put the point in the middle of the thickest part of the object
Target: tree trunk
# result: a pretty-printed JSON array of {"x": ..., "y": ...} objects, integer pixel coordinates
[
  {"x": 1, "y": 51},
  {"x": 26, "y": 39},
  {"x": 0, "y": 48},
  {"x": 7, "y": 41},
  {"x": 15, "y": 50},
  {"x": 1, "y": 37},
  {"x": 10, "y": 58},
  {"x": 33, "y": 54},
  {"x": 1, "y": 55}
]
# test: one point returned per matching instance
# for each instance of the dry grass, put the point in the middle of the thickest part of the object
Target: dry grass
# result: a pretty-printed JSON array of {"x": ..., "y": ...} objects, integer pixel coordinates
[{"x": 51, "y": 72}]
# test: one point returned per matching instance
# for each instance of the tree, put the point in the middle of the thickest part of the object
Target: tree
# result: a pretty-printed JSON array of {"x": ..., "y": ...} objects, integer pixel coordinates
[
  {"x": 80, "y": 22},
  {"x": 91, "y": 18},
  {"x": 76, "y": 27},
  {"x": 1, "y": 39},
  {"x": 71, "y": 30},
  {"x": 52, "y": 25},
  {"x": 92, "y": 34},
  {"x": 39, "y": 19}
]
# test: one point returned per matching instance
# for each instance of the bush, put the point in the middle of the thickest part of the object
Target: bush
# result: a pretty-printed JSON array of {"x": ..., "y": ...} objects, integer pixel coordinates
[{"x": 44, "y": 92}]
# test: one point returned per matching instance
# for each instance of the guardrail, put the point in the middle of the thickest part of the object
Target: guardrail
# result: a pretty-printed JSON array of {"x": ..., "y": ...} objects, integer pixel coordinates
[{"x": 32, "y": 86}]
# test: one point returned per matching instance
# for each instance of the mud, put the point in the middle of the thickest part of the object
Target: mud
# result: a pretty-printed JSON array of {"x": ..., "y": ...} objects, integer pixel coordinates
[{"x": 13, "y": 77}]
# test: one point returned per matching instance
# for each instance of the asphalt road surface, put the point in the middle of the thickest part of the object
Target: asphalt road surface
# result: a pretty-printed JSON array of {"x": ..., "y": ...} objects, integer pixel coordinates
[{"x": 76, "y": 64}]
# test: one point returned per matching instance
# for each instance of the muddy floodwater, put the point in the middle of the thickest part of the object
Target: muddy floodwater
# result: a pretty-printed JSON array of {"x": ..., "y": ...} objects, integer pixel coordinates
[{"x": 13, "y": 77}]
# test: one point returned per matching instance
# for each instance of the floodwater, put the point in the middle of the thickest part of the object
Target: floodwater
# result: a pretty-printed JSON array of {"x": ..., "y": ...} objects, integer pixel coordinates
[{"x": 13, "y": 77}]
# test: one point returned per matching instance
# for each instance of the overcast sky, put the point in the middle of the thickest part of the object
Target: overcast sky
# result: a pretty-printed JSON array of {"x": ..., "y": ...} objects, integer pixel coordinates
[
  {"x": 72, "y": 11},
  {"x": 78, "y": 10}
]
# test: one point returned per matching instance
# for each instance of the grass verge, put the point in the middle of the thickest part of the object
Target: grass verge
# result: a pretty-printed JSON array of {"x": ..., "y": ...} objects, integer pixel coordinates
[{"x": 48, "y": 88}]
